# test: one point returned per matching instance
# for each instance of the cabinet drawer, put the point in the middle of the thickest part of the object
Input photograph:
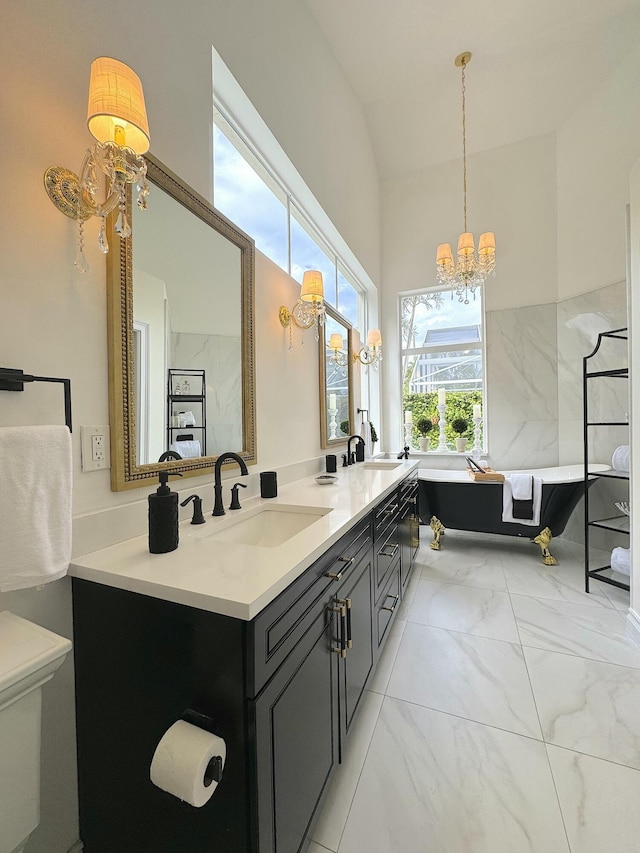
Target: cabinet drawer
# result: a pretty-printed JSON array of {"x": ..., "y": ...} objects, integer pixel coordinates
[
  {"x": 387, "y": 555},
  {"x": 408, "y": 489},
  {"x": 384, "y": 514},
  {"x": 277, "y": 629},
  {"x": 386, "y": 608}
]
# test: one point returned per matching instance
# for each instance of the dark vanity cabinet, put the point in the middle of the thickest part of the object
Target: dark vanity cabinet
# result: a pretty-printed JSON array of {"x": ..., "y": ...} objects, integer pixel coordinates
[
  {"x": 283, "y": 690},
  {"x": 409, "y": 527}
]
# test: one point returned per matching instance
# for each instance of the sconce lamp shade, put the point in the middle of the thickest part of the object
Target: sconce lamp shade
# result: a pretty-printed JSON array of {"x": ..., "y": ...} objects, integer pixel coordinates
[
  {"x": 374, "y": 338},
  {"x": 335, "y": 342},
  {"x": 465, "y": 244},
  {"x": 443, "y": 254},
  {"x": 116, "y": 101},
  {"x": 487, "y": 243},
  {"x": 312, "y": 288}
]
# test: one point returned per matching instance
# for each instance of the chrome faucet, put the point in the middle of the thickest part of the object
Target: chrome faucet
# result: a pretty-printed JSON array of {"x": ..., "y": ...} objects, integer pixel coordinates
[
  {"x": 359, "y": 454},
  {"x": 218, "y": 508}
]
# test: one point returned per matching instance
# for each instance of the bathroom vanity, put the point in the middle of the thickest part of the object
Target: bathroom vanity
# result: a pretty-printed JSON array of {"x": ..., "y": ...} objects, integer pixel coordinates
[{"x": 270, "y": 646}]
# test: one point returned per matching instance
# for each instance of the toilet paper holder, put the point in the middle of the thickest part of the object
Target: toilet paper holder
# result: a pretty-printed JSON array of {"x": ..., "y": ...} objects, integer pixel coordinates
[
  {"x": 213, "y": 773},
  {"x": 186, "y": 764}
]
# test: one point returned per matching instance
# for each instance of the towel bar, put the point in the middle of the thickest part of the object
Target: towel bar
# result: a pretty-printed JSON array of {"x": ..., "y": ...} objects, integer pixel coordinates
[{"x": 13, "y": 380}]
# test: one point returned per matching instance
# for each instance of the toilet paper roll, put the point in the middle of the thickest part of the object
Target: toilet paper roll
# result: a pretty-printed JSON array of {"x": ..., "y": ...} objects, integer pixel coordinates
[{"x": 180, "y": 762}]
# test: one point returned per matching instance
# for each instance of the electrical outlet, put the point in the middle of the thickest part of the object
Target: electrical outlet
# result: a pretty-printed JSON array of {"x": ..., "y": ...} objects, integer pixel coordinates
[{"x": 94, "y": 443}]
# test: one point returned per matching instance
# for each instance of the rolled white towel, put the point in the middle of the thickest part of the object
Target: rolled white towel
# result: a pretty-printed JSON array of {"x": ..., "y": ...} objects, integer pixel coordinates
[
  {"x": 187, "y": 449},
  {"x": 621, "y": 561},
  {"x": 620, "y": 458}
]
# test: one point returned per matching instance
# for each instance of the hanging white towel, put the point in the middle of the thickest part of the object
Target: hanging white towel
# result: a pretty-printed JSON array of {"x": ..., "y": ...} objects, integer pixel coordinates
[
  {"x": 35, "y": 505},
  {"x": 365, "y": 432},
  {"x": 507, "y": 502}
]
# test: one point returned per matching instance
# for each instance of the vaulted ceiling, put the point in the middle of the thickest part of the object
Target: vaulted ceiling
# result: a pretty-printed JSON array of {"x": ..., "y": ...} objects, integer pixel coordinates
[{"x": 534, "y": 62}]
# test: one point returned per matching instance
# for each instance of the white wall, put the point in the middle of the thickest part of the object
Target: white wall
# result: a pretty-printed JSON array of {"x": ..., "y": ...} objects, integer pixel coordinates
[
  {"x": 54, "y": 320},
  {"x": 511, "y": 191},
  {"x": 597, "y": 148}
]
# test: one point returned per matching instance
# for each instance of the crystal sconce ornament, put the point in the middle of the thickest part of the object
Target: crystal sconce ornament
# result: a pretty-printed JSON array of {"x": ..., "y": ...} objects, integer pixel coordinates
[{"x": 117, "y": 119}]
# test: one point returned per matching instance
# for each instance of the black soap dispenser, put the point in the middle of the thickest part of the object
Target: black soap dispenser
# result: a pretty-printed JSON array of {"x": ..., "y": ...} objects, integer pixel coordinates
[{"x": 163, "y": 518}]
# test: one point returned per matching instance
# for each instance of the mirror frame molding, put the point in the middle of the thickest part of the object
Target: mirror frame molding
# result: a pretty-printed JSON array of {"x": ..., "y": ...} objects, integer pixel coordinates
[
  {"x": 325, "y": 441},
  {"x": 125, "y": 472}
]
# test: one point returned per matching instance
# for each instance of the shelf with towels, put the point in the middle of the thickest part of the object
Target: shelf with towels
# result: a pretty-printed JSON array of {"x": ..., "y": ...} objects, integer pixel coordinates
[
  {"x": 617, "y": 524},
  {"x": 13, "y": 380}
]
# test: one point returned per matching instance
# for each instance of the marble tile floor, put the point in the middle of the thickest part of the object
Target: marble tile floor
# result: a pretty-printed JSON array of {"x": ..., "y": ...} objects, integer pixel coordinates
[{"x": 504, "y": 716}]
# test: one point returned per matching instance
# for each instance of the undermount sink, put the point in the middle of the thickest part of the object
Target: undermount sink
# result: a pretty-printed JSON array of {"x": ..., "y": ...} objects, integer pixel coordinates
[
  {"x": 382, "y": 465},
  {"x": 270, "y": 526}
]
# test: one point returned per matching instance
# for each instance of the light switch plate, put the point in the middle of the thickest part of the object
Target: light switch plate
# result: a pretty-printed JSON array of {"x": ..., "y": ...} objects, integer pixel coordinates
[{"x": 94, "y": 441}]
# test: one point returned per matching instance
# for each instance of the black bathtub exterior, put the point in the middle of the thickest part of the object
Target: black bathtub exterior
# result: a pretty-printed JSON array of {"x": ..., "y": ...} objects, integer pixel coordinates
[{"x": 478, "y": 507}]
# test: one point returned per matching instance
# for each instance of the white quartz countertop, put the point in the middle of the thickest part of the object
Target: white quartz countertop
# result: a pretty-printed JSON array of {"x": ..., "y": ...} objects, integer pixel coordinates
[
  {"x": 557, "y": 474},
  {"x": 237, "y": 579}
]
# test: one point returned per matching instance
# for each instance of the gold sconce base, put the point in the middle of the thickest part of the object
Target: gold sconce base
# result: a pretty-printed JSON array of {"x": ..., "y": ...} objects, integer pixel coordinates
[
  {"x": 302, "y": 321},
  {"x": 63, "y": 188}
]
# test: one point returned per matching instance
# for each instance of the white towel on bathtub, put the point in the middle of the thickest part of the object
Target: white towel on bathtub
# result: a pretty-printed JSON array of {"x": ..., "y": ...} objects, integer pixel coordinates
[{"x": 507, "y": 501}]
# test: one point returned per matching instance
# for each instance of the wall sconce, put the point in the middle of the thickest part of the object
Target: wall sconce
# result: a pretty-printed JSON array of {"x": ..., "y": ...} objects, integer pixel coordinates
[
  {"x": 309, "y": 310},
  {"x": 371, "y": 354},
  {"x": 117, "y": 120},
  {"x": 337, "y": 345}
]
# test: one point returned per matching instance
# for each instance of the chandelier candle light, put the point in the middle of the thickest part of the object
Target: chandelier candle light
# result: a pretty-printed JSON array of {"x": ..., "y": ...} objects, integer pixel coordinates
[{"x": 470, "y": 270}]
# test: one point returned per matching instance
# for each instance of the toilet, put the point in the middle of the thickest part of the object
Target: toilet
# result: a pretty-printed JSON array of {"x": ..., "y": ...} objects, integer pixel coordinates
[{"x": 29, "y": 656}]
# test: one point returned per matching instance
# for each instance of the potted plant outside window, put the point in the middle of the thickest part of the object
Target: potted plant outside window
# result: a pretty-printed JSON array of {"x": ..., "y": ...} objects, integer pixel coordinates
[
  {"x": 460, "y": 426},
  {"x": 424, "y": 427}
]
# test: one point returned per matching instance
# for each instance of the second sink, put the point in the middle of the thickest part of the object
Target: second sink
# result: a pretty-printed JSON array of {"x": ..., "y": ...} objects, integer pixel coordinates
[
  {"x": 382, "y": 465},
  {"x": 270, "y": 526}
]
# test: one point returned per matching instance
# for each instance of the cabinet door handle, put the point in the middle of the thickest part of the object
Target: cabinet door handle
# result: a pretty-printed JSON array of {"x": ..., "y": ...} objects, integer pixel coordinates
[
  {"x": 396, "y": 598},
  {"x": 385, "y": 553},
  {"x": 346, "y": 603},
  {"x": 336, "y": 576},
  {"x": 341, "y": 610}
]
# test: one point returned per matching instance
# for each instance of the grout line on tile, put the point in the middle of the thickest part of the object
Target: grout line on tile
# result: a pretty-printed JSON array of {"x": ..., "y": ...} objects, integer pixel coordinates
[
  {"x": 466, "y": 719},
  {"x": 555, "y": 788}
]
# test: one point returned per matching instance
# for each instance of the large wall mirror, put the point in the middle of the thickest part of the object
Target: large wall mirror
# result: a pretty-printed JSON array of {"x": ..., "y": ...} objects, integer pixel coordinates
[
  {"x": 181, "y": 357},
  {"x": 336, "y": 380}
]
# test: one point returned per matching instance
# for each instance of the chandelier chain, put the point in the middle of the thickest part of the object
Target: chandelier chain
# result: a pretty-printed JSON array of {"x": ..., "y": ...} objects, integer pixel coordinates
[{"x": 464, "y": 146}]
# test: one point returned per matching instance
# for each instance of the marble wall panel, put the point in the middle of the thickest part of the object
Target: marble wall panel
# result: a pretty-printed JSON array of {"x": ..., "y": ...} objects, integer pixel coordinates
[
  {"x": 221, "y": 358},
  {"x": 522, "y": 382}
]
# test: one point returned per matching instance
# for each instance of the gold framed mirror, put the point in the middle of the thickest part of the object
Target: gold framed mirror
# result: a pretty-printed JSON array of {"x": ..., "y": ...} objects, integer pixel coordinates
[
  {"x": 336, "y": 379},
  {"x": 180, "y": 310}
]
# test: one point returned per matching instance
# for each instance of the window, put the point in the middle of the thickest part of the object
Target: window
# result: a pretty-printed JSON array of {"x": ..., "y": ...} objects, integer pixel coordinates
[
  {"x": 245, "y": 193},
  {"x": 442, "y": 347},
  {"x": 250, "y": 194}
]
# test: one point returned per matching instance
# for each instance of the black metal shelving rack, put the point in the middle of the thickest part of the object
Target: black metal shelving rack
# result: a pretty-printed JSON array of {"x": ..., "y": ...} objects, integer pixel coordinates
[
  {"x": 619, "y": 523},
  {"x": 200, "y": 399}
]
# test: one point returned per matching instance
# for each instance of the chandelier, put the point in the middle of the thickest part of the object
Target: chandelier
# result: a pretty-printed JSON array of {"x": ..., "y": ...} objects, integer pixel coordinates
[{"x": 471, "y": 269}]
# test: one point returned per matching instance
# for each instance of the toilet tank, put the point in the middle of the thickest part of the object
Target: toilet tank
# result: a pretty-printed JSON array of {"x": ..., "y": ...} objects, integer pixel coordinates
[{"x": 29, "y": 656}]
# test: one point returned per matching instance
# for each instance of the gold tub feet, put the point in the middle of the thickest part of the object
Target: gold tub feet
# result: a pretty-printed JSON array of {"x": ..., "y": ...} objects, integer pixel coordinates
[
  {"x": 438, "y": 530},
  {"x": 543, "y": 539}
]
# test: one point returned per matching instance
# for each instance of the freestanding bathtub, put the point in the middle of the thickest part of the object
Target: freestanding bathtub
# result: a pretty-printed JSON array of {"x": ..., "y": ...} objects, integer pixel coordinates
[{"x": 452, "y": 499}]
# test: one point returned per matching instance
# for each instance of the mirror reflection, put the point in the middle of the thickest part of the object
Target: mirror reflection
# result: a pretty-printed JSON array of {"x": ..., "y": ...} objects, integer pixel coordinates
[
  {"x": 181, "y": 351},
  {"x": 187, "y": 334},
  {"x": 336, "y": 380}
]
